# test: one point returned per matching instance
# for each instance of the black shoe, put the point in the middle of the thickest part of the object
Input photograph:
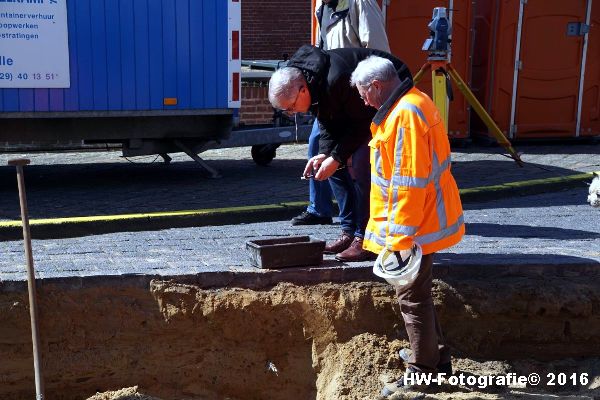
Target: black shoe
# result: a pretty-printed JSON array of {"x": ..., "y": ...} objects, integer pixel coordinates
[
  {"x": 416, "y": 381},
  {"x": 444, "y": 368},
  {"x": 307, "y": 218}
]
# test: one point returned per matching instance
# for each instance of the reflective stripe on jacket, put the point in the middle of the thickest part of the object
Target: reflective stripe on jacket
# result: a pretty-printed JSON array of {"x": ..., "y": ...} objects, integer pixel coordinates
[{"x": 414, "y": 196}]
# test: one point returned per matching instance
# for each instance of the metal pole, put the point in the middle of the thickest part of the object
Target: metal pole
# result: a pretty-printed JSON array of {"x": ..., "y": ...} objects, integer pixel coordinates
[
  {"x": 586, "y": 35},
  {"x": 384, "y": 6},
  {"x": 440, "y": 95},
  {"x": 517, "y": 68},
  {"x": 35, "y": 335}
]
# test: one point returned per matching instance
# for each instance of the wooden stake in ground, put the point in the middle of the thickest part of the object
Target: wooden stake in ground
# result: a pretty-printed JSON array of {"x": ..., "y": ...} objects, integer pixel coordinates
[{"x": 35, "y": 335}]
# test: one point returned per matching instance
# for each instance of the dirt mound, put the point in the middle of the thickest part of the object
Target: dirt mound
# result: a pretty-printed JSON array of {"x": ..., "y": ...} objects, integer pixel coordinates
[{"x": 353, "y": 370}]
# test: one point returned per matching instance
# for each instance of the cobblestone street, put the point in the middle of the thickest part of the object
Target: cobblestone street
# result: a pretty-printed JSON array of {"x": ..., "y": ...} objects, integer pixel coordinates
[
  {"x": 103, "y": 183},
  {"x": 556, "y": 229}
]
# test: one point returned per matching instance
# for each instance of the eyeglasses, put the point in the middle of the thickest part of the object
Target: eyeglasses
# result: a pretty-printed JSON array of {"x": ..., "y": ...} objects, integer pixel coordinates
[
  {"x": 291, "y": 108},
  {"x": 366, "y": 90}
]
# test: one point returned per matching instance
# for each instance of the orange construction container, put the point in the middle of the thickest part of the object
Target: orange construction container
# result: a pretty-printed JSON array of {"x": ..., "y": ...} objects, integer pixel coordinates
[
  {"x": 406, "y": 25},
  {"x": 540, "y": 75}
]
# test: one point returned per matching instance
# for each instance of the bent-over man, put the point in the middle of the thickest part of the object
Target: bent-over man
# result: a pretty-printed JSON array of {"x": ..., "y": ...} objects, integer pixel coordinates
[
  {"x": 318, "y": 81},
  {"x": 341, "y": 24}
]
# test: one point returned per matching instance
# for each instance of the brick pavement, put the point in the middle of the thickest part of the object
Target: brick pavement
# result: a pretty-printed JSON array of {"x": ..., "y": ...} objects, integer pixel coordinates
[
  {"x": 525, "y": 235},
  {"x": 103, "y": 183}
]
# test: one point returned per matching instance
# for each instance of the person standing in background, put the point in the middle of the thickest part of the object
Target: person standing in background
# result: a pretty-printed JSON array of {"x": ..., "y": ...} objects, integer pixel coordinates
[
  {"x": 350, "y": 23},
  {"x": 343, "y": 24}
]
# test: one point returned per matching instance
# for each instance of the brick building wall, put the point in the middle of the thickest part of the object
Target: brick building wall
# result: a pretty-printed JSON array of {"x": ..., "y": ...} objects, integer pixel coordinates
[
  {"x": 255, "y": 108},
  {"x": 271, "y": 28}
]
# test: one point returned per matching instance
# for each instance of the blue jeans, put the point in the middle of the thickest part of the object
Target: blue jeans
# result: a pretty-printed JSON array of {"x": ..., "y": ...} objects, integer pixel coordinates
[
  {"x": 319, "y": 192},
  {"x": 352, "y": 195}
]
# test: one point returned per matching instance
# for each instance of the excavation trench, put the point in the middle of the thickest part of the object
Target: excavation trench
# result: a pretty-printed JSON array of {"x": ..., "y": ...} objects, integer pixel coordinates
[{"x": 329, "y": 341}]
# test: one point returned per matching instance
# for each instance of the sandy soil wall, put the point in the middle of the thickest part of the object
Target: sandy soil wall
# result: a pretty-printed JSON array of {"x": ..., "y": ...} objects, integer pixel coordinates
[{"x": 326, "y": 341}]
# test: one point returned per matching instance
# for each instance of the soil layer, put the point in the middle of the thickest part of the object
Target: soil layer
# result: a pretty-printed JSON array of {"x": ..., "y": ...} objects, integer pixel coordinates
[{"x": 330, "y": 341}]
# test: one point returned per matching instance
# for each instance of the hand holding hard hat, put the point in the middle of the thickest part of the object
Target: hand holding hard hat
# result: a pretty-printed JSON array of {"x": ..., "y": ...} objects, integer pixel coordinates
[{"x": 399, "y": 268}]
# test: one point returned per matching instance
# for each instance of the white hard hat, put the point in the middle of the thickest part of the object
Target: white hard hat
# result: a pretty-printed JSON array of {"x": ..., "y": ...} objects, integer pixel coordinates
[{"x": 399, "y": 268}]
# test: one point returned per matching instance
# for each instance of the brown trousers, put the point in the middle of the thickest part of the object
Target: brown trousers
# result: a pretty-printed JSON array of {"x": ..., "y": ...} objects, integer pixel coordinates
[{"x": 424, "y": 333}]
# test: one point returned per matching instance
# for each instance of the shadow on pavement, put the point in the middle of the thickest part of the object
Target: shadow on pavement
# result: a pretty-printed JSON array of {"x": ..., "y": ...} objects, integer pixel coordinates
[
  {"x": 561, "y": 146},
  {"x": 119, "y": 188},
  {"x": 486, "y": 262},
  {"x": 527, "y": 232},
  {"x": 575, "y": 195},
  {"x": 470, "y": 174},
  {"x": 66, "y": 190}
]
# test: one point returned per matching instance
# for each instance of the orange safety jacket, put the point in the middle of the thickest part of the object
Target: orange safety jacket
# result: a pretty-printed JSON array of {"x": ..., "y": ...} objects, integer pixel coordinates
[{"x": 414, "y": 197}]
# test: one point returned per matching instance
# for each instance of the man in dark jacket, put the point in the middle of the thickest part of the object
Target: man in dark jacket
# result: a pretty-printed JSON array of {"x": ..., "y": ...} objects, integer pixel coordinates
[{"x": 318, "y": 81}]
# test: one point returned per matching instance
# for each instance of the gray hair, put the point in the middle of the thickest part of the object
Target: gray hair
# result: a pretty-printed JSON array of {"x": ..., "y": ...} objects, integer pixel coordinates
[
  {"x": 284, "y": 85},
  {"x": 373, "y": 68}
]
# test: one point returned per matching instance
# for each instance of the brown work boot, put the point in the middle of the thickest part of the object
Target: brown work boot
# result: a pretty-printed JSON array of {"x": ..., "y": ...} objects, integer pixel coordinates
[
  {"x": 355, "y": 252},
  {"x": 339, "y": 245}
]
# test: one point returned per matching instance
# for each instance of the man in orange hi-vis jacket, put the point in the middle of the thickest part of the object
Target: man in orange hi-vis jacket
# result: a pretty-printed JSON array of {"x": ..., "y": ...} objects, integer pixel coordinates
[{"x": 414, "y": 202}]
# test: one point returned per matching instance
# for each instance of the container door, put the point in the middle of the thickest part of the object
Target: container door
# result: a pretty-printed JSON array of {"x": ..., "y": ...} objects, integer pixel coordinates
[
  {"x": 483, "y": 67},
  {"x": 549, "y": 69},
  {"x": 406, "y": 25},
  {"x": 590, "y": 109}
]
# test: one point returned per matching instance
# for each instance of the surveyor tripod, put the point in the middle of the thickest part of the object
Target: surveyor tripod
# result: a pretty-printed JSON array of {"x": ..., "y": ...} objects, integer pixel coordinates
[
  {"x": 438, "y": 47},
  {"x": 441, "y": 73}
]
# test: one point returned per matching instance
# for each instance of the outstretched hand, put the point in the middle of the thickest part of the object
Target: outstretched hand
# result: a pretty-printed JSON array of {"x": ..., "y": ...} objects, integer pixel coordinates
[
  {"x": 328, "y": 168},
  {"x": 313, "y": 165},
  {"x": 320, "y": 167}
]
